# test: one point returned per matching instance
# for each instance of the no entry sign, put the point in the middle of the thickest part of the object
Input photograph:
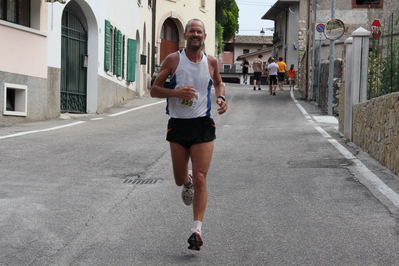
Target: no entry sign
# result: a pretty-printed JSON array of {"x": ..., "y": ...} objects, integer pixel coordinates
[{"x": 376, "y": 29}]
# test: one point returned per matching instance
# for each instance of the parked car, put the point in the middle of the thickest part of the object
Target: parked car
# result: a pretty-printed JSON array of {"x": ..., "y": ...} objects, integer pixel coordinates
[{"x": 155, "y": 74}]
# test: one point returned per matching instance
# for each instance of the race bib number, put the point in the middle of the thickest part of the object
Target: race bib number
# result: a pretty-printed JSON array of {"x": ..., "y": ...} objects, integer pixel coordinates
[{"x": 191, "y": 103}]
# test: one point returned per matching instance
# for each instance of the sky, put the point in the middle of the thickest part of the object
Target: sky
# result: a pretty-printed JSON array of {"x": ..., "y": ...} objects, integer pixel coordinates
[{"x": 250, "y": 14}]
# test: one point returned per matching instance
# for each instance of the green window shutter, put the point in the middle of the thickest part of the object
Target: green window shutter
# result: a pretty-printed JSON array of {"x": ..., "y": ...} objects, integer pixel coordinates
[
  {"x": 131, "y": 59},
  {"x": 107, "y": 46},
  {"x": 117, "y": 52},
  {"x": 115, "y": 65},
  {"x": 123, "y": 55}
]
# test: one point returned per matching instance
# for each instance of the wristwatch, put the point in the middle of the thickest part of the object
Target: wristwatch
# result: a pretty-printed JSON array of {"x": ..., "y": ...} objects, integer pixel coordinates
[{"x": 222, "y": 97}]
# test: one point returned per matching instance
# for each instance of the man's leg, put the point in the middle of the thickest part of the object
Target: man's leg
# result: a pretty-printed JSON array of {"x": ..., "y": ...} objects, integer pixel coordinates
[
  {"x": 255, "y": 81},
  {"x": 201, "y": 156},
  {"x": 180, "y": 156}
]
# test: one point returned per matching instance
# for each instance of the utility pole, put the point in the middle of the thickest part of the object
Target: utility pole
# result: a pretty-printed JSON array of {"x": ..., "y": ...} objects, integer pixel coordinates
[{"x": 312, "y": 89}]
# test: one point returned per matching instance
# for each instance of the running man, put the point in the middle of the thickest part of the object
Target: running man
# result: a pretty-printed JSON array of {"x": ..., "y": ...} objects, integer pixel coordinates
[{"x": 191, "y": 129}]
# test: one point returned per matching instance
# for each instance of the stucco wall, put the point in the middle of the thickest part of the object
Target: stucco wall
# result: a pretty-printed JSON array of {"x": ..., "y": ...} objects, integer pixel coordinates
[
  {"x": 111, "y": 93},
  {"x": 375, "y": 129},
  {"x": 40, "y": 99}
]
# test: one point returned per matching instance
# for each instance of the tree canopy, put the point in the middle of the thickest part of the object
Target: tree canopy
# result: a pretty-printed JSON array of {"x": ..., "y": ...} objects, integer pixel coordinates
[{"x": 227, "y": 17}]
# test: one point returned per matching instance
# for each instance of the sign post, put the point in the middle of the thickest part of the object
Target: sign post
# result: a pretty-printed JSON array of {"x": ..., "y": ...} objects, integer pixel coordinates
[{"x": 319, "y": 34}]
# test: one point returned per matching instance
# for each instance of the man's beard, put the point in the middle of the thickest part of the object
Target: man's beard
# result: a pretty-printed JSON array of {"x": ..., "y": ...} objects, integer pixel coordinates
[{"x": 195, "y": 47}]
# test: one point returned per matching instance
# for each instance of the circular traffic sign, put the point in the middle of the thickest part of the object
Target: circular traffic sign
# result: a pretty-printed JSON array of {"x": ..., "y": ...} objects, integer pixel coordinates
[{"x": 320, "y": 27}]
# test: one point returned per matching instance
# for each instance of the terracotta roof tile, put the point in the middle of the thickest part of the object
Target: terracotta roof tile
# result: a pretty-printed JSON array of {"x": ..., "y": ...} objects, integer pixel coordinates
[{"x": 253, "y": 39}]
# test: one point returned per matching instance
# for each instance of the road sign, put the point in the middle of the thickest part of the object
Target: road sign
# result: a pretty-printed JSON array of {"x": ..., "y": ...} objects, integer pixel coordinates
[
  {"x": 376, "y": 29},
  {"x": 319, "y": 36}
]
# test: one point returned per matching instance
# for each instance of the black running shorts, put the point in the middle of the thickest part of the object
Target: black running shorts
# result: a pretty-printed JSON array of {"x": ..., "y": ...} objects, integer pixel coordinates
[
  {"x": 187, "y": 132},
  {"x": 273, "y": 79}
]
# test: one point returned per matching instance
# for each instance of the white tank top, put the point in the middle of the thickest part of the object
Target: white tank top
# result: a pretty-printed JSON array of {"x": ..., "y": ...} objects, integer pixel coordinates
[{"x": 196, "y": 74}]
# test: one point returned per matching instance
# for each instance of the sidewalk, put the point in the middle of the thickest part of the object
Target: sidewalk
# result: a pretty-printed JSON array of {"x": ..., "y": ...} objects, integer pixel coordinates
[{"x": 380, "y": 180}]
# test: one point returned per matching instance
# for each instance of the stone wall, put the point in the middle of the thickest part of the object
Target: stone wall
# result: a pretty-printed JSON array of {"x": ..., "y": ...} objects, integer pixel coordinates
[
  {"x": 376, "y": 129},
  {"x": 337, "y": 84}
]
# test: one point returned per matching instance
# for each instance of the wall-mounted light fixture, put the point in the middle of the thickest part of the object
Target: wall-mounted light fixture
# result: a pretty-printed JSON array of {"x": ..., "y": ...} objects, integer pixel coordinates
[
  {"x": 52, "y": 1},
  {"x": 262, "y": 32},
  {"x": 295, "y": 46}
]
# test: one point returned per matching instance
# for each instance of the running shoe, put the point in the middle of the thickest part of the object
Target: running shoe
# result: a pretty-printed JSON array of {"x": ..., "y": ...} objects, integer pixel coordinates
[
  {"x": 187, "y": 191},
  {"x": 195, "y": 241}
]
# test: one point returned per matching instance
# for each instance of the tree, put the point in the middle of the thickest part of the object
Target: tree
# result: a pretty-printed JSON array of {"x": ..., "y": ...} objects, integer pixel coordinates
[{"x": 227, "y": 17}]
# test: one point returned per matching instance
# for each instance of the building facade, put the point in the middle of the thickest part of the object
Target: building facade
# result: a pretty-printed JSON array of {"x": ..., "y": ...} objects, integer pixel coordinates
[
  {"x": 84, "y": 56},
  {"x": 172, "y": 17}
]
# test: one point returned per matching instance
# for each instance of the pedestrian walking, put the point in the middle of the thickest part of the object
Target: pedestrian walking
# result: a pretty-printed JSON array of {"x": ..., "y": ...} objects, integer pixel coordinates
[
  {"x": 191, "y": 129},
  {"x": 268, "y": 74},
  {"x": 282, "y": 67},
  {"x": 291, "y": 72},
  {"x": 245, "y": 66},
  {"x": 273, "y": 68},
  {"x": 257, "y": 66}
]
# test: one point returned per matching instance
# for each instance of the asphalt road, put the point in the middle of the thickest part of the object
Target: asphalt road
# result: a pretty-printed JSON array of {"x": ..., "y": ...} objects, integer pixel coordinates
[{"x": 284, "y": 189}]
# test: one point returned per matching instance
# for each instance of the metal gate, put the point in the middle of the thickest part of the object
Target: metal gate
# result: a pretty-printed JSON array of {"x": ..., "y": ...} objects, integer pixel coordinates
[{"x": 73, "y": 64}]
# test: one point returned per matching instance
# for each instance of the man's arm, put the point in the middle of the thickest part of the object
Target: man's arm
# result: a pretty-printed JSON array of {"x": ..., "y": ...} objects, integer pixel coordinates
[
  {"x": 168, "y": 68},
  {"x": 218, "y": 84}
]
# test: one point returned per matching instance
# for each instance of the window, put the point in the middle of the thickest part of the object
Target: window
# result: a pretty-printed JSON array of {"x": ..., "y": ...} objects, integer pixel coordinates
[
  {"x": 245, "y": 51},
  {"x": 367, "y": 3},
  {"x": 15, "y": 11},
  {"x": 117, "y": 52},
  {"x": 15, "y": 97},
  {"x": 131, "y": 60},
  {"x": 119, "y": 60},
  {"x": 227, "y": 47},
  {"x": 149, "y": 3}
]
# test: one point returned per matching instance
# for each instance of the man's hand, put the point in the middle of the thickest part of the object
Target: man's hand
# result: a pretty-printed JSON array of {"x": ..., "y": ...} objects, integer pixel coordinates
[
  {"x": 186, "y": 92},
  {"x": 222, "y": 106}
]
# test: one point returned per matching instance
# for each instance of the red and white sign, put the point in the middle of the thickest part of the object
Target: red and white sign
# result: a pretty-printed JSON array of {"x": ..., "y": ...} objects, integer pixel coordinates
[
  {"x": 376, "y": 29},
  {"x": 319, "y": 35}
]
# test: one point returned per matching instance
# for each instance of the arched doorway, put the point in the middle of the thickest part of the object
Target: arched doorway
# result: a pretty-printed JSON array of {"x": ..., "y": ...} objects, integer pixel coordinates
[
  {"x": 169, "y": 38},
  {"x": 73, "y": 63}
]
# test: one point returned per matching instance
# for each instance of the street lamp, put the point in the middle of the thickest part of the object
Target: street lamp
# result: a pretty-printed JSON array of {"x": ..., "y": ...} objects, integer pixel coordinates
[{"x": 262, "y": 32}]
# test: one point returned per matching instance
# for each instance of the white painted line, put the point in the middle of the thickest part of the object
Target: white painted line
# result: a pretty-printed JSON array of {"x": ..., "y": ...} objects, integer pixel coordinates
[
  {"x": 377, "y": 183},
  {"x": 325, "y": 119},
  {"x": 298, "y": 104},
  {"x": 40, "y": 130},
  {"x": 76, "y": 123},
  {"x": 365, "y": 174},
  {"x": 137, "y": 108},
  {"x": 322, "y": 132},
  {"x": 347, "y": 154},
  {"x": 99, "y": 118}
]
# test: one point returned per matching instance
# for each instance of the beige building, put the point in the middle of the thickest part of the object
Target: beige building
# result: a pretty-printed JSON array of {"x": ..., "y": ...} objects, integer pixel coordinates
[{"x": 171, "y": 18}]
